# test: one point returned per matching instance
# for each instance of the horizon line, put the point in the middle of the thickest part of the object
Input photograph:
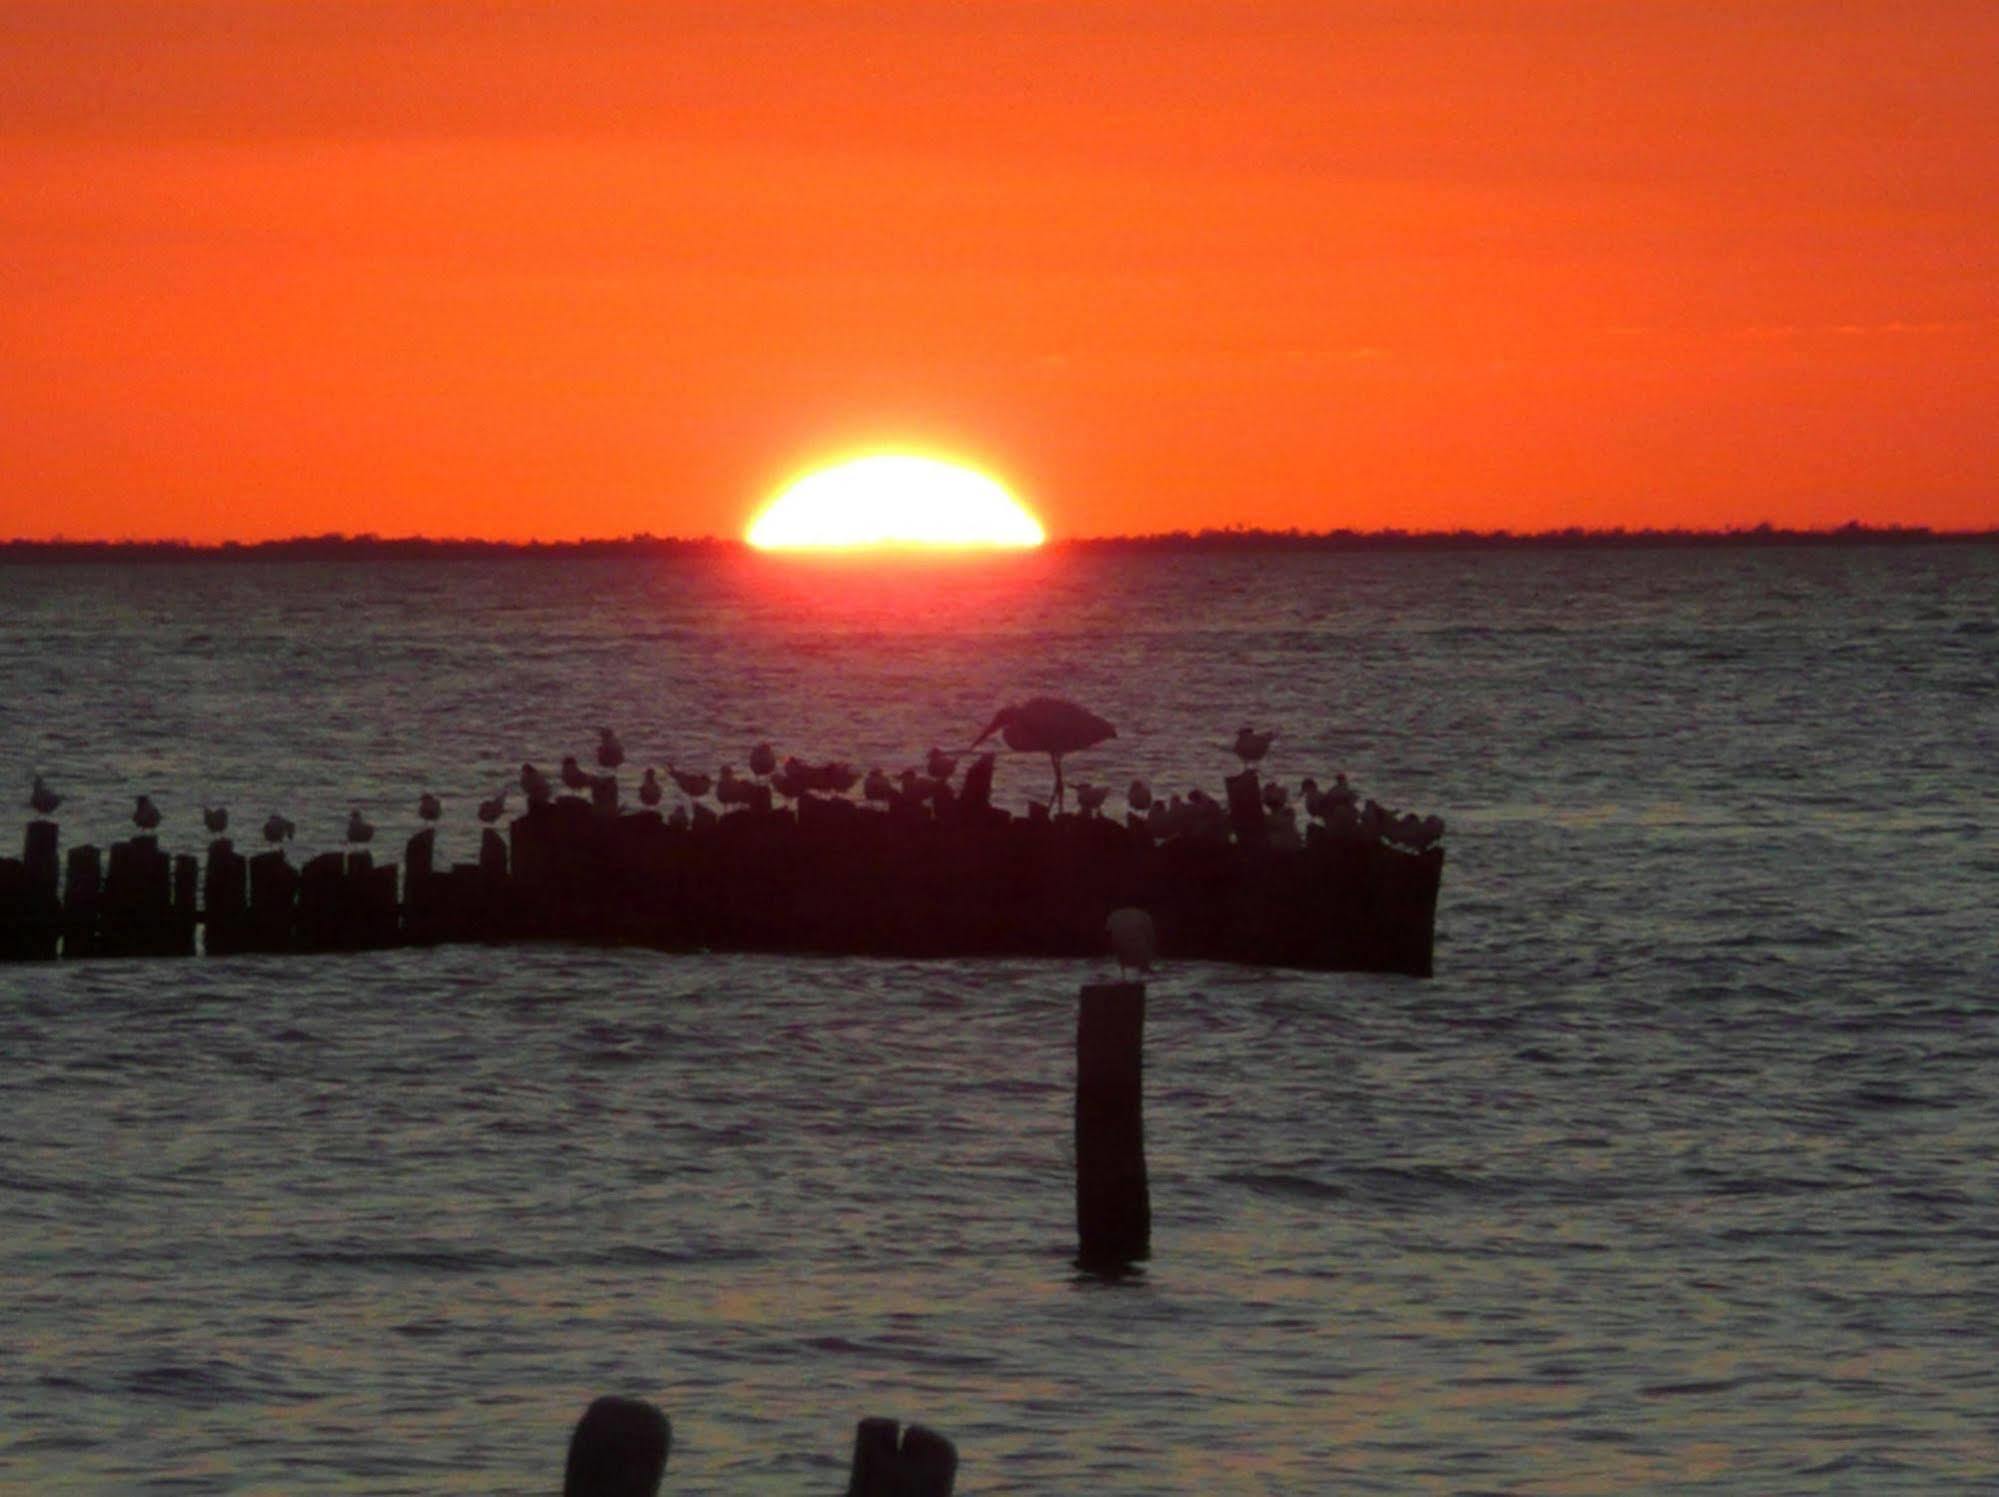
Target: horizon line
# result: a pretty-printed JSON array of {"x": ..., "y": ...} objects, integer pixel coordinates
[{"x": 369, "y": 543}]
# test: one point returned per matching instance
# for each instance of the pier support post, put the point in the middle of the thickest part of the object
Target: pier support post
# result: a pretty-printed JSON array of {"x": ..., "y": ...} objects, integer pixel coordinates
[
  {"x": 224, "y": 892},
  {"x": 1113, "y": 1200},
  {"x": 273, "y": 902},
  {"x": 83, "y": 891},
  {"x": 618, "y": 1449},
  {"x": 422, "y": 890},
  {"x": 925, "y": 1464},
  {"x": 186, "y": 915}
]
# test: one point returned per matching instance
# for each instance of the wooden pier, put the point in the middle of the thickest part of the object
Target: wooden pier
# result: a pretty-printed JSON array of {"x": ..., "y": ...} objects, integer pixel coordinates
[{"x": 831, "y": 876}]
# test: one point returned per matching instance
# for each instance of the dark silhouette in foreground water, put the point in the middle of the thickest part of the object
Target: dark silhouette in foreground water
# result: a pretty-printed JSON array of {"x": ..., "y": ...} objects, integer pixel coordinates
[{"x": 620, "y": 1447}]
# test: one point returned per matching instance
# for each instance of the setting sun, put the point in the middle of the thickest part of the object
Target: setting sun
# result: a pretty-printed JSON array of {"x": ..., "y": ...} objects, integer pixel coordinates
[{"x": 894, "y": 500}]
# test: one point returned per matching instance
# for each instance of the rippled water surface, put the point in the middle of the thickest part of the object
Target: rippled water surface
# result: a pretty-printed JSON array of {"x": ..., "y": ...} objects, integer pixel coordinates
[{"x": 1680, "y": 1173}]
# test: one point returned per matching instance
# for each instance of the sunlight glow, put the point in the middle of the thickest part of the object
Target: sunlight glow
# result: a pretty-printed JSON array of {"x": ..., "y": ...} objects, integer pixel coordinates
[{"x": 894, "y": 500}]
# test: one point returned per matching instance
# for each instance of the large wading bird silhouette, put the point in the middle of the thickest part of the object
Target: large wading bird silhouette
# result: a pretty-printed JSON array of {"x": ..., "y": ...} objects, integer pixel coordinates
[{"x": 1048, "y": 725}]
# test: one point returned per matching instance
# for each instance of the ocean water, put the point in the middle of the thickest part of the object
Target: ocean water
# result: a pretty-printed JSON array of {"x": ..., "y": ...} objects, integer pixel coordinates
[{"x": 1678, "y": 1176}]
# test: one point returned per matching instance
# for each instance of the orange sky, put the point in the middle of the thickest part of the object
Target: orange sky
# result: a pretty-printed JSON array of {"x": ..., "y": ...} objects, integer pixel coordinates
[{"x": 601, "y": 266}]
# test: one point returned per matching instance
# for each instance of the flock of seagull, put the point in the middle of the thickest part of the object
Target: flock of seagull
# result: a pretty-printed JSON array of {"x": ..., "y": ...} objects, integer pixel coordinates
[{"x": 1047, "y": 725}]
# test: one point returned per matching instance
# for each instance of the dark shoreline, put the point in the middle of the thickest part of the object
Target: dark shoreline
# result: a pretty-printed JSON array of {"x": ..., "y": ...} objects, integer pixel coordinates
[{"x": 374, "y": 548}]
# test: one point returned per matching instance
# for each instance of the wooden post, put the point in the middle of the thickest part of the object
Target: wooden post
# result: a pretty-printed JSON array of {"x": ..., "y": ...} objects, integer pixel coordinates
[
  {"x": 320, "y": 887},
  {"x": 422, "y": 889},
  {"x": 1246, "y": 809},
  {"x": 618, "y": 1449},
  {"x": 187, "y": 880},
  {"x": 1113, "y": 1202},
  {"x": 83, "y": 890},
  {"x": 14, "y": 917},
  {"x": 273, "y": 902},
  {"x": 224, "y": 891},
  {"x": 38, "y": 852},
  {"x": 39, "y": 904},
  {"x": 925, "y": 1464}
]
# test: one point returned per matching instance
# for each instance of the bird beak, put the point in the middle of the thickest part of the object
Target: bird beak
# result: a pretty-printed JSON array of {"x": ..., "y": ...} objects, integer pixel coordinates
[{"x": 991, "y": 728}]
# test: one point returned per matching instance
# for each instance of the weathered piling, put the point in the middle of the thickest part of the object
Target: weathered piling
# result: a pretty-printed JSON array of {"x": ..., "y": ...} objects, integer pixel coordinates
[
  {"x": 1246, "y": 808},
  {"x": 186, "y": 912},
  {"x": 30, "y": 897},
  {"x": 225, "y": 899},
  {"x": 137, "y": 912},
  {"x": 423, "y": 891},
  {"x": 922, "y": 1464},
  {"x": 1113, "y": 1200},
  {"x": 273, "y": 902},
  {"x": 41, "y": 859},
  {"x": 945, "y": 877},
  {"x": 618, "y": 1449},
  {"x": 83, "y": 888}
]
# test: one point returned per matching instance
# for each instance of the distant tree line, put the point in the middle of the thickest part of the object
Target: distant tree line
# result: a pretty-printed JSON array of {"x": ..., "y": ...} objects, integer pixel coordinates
[{"x": 1233, "y": 539}]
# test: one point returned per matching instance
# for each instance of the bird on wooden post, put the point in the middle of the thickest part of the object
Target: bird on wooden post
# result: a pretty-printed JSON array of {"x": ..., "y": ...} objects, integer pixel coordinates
[
  {"x": 42, "y": 800},
  {"x": 359, "y": 829},
  {"x": 763, "y": 760},
  {"x": 573, "y": 775},
  {"x": 492, "y": 810},
  {"x": 429, "y": 807},
  {"x": 692, "y": 785},
  {"x": 1048, "y": 725},
  {"x": 215, "y": 818},
  {"x": 1133, "y": 940},
  {"x": 651, "y": 792},
  {"x": 610, "y": 752},
  {"x": 146, "y": 815},
  {"x": 278, "y": 829},
  {"x": 1251, "y": 746}
]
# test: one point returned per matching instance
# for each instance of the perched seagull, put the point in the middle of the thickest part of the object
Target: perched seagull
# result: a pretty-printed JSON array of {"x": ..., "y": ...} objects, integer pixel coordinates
[
  {"x": 1324, "y": 804},
  {"x": 1048, "y": 725},
  {"x": 610, "y": 752},
  {"x": 42, "y": 800},
  {"x": 492, "y": 810},
  {"x": 429, "y": 807},
  {"x": 793, "y": 780},
  {"x": 940, "y": 765},
  {"x": 1251, "y": 746},
  {"x": 693, "y": 786},
  {"x": 733, "y": 790},
  {"x": 215, "y": 818},
  {"x": 878, "y": 786},
  {"x": 535, "y": 786},
  {"x": 1132, "y": 939},
  {"x": 1139, "y": 797},
  {"x": 650, "y": 790},
  {"x": 1275, "y": 796},
  {"x": 678, "y": 818},
  {"x": 278, "y": 829},
  {"x": 573, "y": 776},
  {"x": 1090, "y": 798},
  {"x": 763, "y": 760},
  {"x": 358, "y": 829},
  {"x": 837, "y": 777},
  {"x": 146, "y": 815}
]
